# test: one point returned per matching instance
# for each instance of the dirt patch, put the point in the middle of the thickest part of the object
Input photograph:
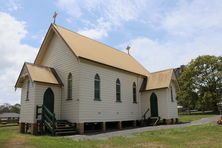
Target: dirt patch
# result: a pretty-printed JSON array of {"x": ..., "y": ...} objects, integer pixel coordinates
[
  {"x": 139, "y": 145},
  {"x": 150, "y": 145},
  {"x": 198, "y": 143},
  {"x": 17, "y": 142}
]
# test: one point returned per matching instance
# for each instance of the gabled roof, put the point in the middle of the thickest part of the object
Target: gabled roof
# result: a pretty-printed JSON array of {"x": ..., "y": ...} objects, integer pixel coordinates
[
  {"x": 38, "y": 74},
  {"x": 160, "y": 79},
  {"x": 86, "y": 48}
]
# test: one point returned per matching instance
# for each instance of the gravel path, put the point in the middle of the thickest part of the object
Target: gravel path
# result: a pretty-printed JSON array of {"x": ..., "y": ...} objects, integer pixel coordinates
[{"x": 130, "y": 132}]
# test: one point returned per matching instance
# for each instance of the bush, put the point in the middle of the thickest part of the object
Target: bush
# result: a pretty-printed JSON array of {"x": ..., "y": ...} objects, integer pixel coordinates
[{"x": 219, "y": 121}]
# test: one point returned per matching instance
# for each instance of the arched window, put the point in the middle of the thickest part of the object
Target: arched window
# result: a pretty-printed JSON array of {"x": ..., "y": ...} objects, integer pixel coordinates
[
  {"x": 27, "y": 91},
  {"x": 171, "y": 93},
  {"x": 118, "y": 91},
  {"x": 97, "y": 87},
  {"x": 69, "y": 89},
  {"x": 134, "y": 93}
]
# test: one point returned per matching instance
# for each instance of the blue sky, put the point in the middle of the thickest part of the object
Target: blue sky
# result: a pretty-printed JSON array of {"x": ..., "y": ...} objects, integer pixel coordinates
[{"x": 162, "y": 34}]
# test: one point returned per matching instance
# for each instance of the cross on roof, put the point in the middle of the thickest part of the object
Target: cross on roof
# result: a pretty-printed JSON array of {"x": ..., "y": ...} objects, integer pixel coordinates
[{"x": 54, "y": 17}]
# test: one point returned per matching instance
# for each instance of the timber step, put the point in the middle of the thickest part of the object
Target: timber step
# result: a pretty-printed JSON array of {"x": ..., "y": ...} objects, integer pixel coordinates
[
  {"x": 63, "y": 127},
  {"x": 65, "y": 133},
  {"x": 153, "y": 121},
  {"x": 55, "y": 127}
]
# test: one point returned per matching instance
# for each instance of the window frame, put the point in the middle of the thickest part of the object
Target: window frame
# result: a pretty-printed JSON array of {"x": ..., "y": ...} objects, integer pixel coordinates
[
  {"x": 69, "y": 87},
  {"x": 27, "y": 91},
  {"x": 171, "y": 94},
  {"x": 97, "y": 88},
  {"x": 134, "y": 93},
  {"x": 118, "y": 90}
]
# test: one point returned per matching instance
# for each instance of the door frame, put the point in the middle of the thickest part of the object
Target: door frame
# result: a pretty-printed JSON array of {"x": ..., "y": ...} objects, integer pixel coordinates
[
  {"x": 154, "y": 105},
  {"x": 49, "y": 99}
]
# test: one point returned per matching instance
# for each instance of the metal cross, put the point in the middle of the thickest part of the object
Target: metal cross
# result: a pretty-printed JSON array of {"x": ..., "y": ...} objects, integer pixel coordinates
[
  {"x": 128, "y": 49},
  {"x": 54, "y": 17}
]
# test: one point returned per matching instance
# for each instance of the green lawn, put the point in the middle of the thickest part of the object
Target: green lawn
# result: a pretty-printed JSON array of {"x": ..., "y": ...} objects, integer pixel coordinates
[
  {"x": 189, "y": 118},
  {"x": 196, "y": 136}
]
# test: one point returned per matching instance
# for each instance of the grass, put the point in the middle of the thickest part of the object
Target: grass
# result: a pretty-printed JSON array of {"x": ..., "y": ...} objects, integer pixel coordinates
[
  {"x": 208, "y": 135},
  {"x": 189, "y": 118}
]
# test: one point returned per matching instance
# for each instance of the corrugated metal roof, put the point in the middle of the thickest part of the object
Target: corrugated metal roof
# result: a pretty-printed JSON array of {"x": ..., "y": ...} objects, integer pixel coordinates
[
  {"x": 40, "y": 74},
  {"x": 87, "y": 48},
  {"x": 160, "y": 79}
]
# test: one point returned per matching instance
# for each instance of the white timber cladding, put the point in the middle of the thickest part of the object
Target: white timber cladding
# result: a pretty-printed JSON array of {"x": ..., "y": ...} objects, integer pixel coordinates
[
  {"x": 61, "y": 58},
  {"x": 40, "y": 89},
  {"x": 172, "y": 106},
  {"x": 166, "y": 108},
  {"x": 107, "y": 109},
  {"x": 27, "y": 113},
  {"x": 161, "y": 99}
]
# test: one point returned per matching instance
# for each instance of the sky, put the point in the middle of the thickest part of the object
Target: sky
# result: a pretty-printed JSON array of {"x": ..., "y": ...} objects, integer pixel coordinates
[{"x": 162, "y": 34}]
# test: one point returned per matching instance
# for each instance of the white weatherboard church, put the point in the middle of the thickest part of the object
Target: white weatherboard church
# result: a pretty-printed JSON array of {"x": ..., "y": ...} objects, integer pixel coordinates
[{"x": 76, "y": 81}]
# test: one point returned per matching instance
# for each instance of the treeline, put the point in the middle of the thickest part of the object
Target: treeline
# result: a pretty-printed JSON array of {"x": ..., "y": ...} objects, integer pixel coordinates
[
  {"x": 5, "y": 108},
  {"x": 201, "y": 83}
]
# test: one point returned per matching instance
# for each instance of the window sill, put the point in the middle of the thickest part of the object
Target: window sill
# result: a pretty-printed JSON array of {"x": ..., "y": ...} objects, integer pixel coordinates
[
  {"x": 118, "y": 101},
  {"x": 68, "y": 99},
  {"x": 134, "y": 102},
  {"x": 27, "y": 100},
  {"x": 97, "y": 99}
]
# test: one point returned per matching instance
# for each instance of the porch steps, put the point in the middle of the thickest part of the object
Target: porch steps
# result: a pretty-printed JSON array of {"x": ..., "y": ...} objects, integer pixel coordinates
[
  {"x": 152, "y": 121},
  {"x": 63, "y": 127},
  {"x": 55, "y": 127}
]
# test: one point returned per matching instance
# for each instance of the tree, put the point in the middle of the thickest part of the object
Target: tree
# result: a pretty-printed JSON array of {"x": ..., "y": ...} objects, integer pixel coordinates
[
  {"x": 5, "y": 108},
  {"x": 201, "y": 83}
]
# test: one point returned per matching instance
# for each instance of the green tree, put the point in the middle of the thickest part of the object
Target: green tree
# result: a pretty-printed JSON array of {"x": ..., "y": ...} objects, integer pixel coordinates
[
  {"x": 201, "y": 83},
  {"x": 5, "y": 108}
]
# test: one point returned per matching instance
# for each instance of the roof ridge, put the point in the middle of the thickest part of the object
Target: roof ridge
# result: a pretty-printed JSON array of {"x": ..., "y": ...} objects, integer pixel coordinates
[
  {"x": 93, "y": 40},
  {"x": 162, "y": 70},
  {"x": 42, "y": 66}
]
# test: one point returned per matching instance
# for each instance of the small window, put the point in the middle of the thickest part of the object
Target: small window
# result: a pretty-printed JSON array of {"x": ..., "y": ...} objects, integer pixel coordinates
[
  {"x": 171, "y": 93},
  {"x": 118, "y": 91},
  {"x": 27, "y": 91},
  {"x": 97, "y": 88},
  {"x": 69, "y": 87},
  {"x": 134, "y": 93}
]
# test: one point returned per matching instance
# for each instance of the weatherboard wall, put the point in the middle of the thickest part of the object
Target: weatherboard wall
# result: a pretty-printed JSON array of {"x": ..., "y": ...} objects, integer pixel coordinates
[
  {"x": 40, "y": 89},
  {"x": 161, "y": 99},
  {"x": 61, "y": 58},
  {"x": 172, "y": 105},
  {"x": 107, "y": 109},
  {"x": 27, "y": 106}
]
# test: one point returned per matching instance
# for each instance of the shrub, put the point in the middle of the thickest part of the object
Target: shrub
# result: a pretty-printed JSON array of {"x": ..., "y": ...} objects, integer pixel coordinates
[{"x": 219, "y": 121}]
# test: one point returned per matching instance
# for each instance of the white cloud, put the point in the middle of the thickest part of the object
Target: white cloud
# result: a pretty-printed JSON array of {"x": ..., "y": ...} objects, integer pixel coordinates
[
  {"x": 13, "y": 55},
  {"x": 108, "y": 14},
  {"x": 192, "y": 17},
  {"x": 71, "y": 7},
  {"x": 191, "y": 28},
  {"x": 94, "y": 33},
  {"x": 13, "y": 5},
  {"x": 97, "y": 32},
  {"x": 156, "y": 55}
]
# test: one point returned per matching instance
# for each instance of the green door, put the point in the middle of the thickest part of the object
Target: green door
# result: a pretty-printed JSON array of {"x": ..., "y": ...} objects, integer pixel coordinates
[
  {"x": 48, "y": 99},
  {"x": 153, "y": 105}
]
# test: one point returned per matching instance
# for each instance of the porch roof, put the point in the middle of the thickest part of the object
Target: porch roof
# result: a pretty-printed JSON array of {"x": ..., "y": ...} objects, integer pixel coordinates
[
  {"x": 160, "y": 79},
  {"x": 38, "y": 73}
]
